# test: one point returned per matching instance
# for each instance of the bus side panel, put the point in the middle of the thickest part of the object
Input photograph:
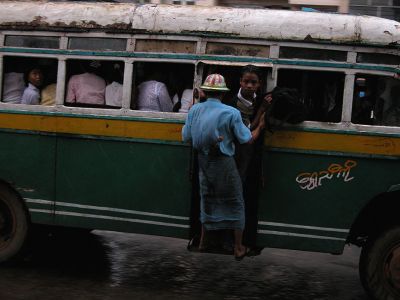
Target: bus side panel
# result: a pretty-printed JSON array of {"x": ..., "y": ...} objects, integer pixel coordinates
[
  {"x": 311, "y": 200},
  {"x": 27, "y": 162},
  {"x": 123, "y": 185}
]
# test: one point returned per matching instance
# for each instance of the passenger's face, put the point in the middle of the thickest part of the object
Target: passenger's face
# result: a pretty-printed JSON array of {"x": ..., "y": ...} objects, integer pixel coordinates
[
  {"x": 249, "y": 84},
  {"x": 35, "y": 77}
]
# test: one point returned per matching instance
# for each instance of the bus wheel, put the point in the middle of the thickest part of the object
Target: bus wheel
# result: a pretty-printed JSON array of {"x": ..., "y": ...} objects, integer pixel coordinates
[
  {"x": 13, "y": 224},
  {"x": 380, "y": 266}
]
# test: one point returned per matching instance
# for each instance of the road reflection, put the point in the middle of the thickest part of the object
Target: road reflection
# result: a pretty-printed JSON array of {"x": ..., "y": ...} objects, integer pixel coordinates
[{"x": 107, "y": 265}]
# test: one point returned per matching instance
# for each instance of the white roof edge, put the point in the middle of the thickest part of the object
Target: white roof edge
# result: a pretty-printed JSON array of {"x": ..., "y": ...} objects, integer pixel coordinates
[{"x": 196, "y": 20}]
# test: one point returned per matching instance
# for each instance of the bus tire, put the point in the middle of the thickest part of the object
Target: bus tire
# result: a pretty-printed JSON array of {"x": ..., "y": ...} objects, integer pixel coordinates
[
  {"x": 380, "y": 265},
  {"x": 13, "y": 224}
]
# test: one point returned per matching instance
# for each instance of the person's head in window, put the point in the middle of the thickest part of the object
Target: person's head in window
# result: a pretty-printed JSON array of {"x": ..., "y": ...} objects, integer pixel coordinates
[
  {"x": 249, "y": 82},
  {"x": 93, "y": 67},
  {"x": 115, "y": 73},
  {"x": 34, "y": 76},
  {"x": 34, "y": 81}
]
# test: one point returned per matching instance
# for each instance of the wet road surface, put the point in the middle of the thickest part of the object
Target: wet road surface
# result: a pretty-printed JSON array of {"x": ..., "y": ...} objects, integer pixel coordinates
[{"x": 114, "y": 266}]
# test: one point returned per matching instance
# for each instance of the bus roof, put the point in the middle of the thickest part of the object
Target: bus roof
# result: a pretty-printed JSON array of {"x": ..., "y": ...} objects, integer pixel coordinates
[{"x": 227, "y": 22}]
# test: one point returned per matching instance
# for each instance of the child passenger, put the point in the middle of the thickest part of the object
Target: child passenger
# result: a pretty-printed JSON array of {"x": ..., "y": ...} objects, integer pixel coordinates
[
  {"x": 34, "y": 80},
  {"x": 252, "y": 108}
]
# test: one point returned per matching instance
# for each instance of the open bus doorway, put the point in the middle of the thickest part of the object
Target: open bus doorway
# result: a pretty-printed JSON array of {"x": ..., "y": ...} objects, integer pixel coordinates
[{"x": 221, "y": 241}]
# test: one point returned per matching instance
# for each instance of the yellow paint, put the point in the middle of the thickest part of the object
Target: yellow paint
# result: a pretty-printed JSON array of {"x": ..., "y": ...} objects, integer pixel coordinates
[
  {"x": 334, "y": 142},
  {"x": 86, "y": 126},
  {"x": 296, "y": 140},
  {"x": 310, "y": 181}
]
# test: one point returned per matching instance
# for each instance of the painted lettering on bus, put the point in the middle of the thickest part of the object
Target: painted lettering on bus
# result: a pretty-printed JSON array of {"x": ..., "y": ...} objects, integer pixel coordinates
[{"x": 310, "y": 181}]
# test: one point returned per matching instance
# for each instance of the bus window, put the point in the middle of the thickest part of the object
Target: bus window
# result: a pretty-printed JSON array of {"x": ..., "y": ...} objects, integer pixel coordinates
[
  {"x": 322, "y": 92},
  {"x": 237, "y": 49},
  {"x": 378, "y": 58},
  {"x": 29, "y": 80},
  {"x": 166, "y": 87},
  {"x": 376, "y": 101},
  {"x": 48, "y": 42},
  {"x": 232, "y": 76},
  {"x": 312, "y": 54},
  {"x": 97, "y": 44},
  {"x": 94, "y": 83},
  {"x": 169, "y": 46}
]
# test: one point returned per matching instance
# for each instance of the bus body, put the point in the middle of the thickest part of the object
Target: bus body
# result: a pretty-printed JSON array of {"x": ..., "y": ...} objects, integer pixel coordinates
[{"x": 327, "y": 181}]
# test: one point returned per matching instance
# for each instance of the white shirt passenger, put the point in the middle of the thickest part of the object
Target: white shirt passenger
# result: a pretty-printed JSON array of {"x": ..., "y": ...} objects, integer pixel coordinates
[
  {"x": 31, "y": 95},
  {"x": 13, "y": 87},
  {"x": 186, "y": 101},
  {"x": 154, "y": 96},
  {"x": 114, "y": 94}
]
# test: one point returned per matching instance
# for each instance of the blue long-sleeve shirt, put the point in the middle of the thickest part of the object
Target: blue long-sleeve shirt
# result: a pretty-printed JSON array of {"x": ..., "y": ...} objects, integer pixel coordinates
[{"x": 208, "y": 121}]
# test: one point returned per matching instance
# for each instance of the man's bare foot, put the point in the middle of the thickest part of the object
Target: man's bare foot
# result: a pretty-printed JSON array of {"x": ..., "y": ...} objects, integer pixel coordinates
[{"x": 240, "y": 252}]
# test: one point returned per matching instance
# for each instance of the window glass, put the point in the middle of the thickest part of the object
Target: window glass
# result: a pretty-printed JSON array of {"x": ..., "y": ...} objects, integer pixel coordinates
[
  {"x": 322, "y": 92},
  {"x": 377, "y": 58},
  {"x": 376, "y": 100},
  {"x": 32, "y": 41},
  {"x": 312, "y": 54},
  {"x": 94, "y": 83},
  {"x": 29, "y": 80},
  {"x": 97, "y": 44},
  {"x": 166, "y": 87},
  {"x": 232, "y": 76},
  {"x": 165, "y": 46},
  {"x": 237, "y": 49}
]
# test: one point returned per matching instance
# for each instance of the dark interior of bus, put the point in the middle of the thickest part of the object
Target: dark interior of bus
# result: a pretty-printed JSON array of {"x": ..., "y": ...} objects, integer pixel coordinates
[
  {"x": 375, "y": 100},
  {"x": 322, "y": 92}
]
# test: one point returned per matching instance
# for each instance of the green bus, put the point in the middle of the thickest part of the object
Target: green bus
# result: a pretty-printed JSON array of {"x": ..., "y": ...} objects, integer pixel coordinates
[{"x": 328, "y": 182}]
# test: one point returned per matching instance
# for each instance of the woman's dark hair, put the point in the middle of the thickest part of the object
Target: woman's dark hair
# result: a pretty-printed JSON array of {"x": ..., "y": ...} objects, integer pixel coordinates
[
  {"x": 26, "y": 73},
  {"x": 250, "y": 69},
  {"x": 288, "y": 106}
]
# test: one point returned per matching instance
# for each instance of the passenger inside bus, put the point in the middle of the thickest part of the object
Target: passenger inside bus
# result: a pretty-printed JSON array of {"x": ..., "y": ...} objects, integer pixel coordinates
[
  {"x": 114, "y": 86},
  {"x": 182, "y": 89},
  {"x": 14, "y": 84},
  {"x": 165, "y": 87},
  {"x": 87, "y": 87},
  {"x": 33, "y": 78},
  {"x": 252, "y": 104},
  {"x": 13, "y": 87},
  {"x": 48, "y": 95},
  {"x": 373, "y": 98},
  {"x": 153, "y": 93},
  {"x": 392, "y": 115}
]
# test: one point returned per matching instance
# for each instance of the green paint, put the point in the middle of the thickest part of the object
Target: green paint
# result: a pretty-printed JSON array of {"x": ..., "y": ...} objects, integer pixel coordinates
[
  {"x": 133, "y": 176},
  {"x": 333, "y": 204}
]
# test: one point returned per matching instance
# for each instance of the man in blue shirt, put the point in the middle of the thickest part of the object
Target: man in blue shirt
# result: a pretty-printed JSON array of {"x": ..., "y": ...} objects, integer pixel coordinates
[{"x": 212, "y": 127}]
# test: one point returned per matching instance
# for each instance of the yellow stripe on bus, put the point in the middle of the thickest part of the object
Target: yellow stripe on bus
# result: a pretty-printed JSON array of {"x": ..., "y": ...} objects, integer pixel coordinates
[
  {"x": 296, "y": 140},
  {"x": 86, "y": 126},
  {"x": 334, "y": 142}
]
